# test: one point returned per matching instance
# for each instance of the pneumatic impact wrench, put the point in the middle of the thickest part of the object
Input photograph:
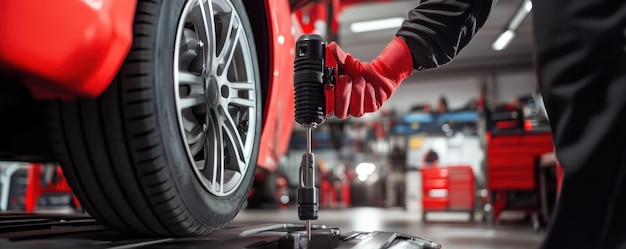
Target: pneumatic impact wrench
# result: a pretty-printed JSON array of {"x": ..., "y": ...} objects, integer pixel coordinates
[{"x": 315, "y": 73}]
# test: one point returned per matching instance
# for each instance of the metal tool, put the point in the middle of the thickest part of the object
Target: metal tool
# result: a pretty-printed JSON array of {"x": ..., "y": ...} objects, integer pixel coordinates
[{"x": 314, "y": 85}]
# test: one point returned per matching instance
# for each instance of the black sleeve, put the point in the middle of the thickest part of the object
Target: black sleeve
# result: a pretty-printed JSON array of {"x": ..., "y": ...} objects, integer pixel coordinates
[{"x": 437, "y": 30}]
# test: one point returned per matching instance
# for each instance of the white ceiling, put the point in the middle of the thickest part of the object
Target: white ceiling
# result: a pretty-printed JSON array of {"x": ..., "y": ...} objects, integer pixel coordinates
[{"x": 477, "y": 58}]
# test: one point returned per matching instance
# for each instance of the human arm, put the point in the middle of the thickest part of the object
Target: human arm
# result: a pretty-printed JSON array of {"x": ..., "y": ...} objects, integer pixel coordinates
[
  {"x": 437, "y": 30},
  {"x": 434, "y": 33}
]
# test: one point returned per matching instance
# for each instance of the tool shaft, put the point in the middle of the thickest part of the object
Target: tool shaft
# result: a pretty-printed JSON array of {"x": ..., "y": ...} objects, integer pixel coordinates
[
  {"x": 308, "y": 200},
  {"x": 308, "y": 228},
  {"x": 308, "y": 139}
]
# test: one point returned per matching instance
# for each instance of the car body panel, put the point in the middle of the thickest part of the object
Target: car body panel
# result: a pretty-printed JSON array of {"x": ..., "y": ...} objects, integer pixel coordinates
[
  {"x": 65, "y": 54},
  {"x": 279, "y": 107}
]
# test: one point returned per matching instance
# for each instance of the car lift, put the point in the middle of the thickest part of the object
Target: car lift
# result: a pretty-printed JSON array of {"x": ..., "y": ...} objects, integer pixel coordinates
[{"x": 19, "y": 230}]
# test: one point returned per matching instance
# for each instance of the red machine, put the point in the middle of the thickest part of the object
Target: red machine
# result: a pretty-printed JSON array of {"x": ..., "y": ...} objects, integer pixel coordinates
[
  {"x": 512, "y": 161},
  {"x": 334, "y": 193},
  {"x": 449, "y": 188},
  {"x": 56, "y": 184}
]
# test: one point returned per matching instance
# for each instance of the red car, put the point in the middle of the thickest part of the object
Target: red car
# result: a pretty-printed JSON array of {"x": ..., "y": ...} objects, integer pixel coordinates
[{"x": 157, "y": 110}]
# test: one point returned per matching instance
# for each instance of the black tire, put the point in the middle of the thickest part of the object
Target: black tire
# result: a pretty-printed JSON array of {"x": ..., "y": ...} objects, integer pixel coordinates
[{"x": 123, "y": 153}]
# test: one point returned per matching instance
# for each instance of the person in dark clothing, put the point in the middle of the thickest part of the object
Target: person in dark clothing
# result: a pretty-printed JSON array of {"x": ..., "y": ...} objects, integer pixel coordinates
[
  {"x": 431, "y": 158},
  {"x": 397, "y": 159},
  {"x": 581, "y": 70},
  {"x": 442, "y": 104},
  {"x": 396, "y": 176}
]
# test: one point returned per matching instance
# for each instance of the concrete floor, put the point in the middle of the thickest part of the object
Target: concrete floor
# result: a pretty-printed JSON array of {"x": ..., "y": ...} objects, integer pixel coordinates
[{"x": 450, "y": 229}]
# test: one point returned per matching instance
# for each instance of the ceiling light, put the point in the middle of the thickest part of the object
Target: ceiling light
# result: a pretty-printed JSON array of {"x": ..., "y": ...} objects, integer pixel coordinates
[
  {"x": 503, "y": 40},
  {"x": 528, "y": 5},
  {"x": 380, "y": 24},
  {"x": 521, "y": 14}
]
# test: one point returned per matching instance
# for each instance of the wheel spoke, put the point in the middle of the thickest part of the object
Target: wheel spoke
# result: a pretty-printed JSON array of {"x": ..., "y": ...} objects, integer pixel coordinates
[
  {"x": 225, "y": 57},
  {"x": 243, "y": 86},
  {"x": 218, "y": 157},
  {"x": 189, "y": 79},
  {"x": 242, "y": 102},
  {"x": 214, "y": 146},
  {"x": 234, "y": 141},
  {"x": 191, "y": 84},
  {"x": 221, "y": 165},
  {"x": 205, "y": 28},
  {"x": 208, "y": 16},
  {"x": 229, "y": 59},
  {"x": 191, "y": 101}
]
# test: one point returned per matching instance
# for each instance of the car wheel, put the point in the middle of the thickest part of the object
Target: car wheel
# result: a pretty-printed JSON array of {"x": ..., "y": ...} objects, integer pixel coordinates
[{"x": 170, "y": 148}]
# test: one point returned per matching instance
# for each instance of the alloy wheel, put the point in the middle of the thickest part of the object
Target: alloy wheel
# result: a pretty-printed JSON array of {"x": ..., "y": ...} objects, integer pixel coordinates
[{"x": 215, "y": 85}]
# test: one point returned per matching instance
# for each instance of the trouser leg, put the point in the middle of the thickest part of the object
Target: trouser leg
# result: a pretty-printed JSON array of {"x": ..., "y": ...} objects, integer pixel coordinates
[
  {"x": 581, "y": 63},
  {"x": 393, "y": 179}
]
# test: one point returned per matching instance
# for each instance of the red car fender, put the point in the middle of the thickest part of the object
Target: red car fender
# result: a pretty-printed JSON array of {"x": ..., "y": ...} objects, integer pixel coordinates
[
  {"x": 67, "y": 66},
  {"x": 279, "y": 109}
]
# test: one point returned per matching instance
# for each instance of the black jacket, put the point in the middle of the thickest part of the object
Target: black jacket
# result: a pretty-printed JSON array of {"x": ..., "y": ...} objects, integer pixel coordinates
[{"x": 437, "y": 30}]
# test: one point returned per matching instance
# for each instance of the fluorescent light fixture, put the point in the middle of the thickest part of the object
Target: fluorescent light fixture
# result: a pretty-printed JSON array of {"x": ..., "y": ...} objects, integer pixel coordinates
[
  {"x": 521, "y": 14},
  {"x": 503, "y": 40},
  {"x": 528, "y": 5},
  {"x": 380, "y": 24}
]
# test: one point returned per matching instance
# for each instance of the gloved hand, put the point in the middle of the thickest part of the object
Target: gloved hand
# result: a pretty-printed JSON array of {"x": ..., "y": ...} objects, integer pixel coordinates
[{"x": 365, "y": 86}]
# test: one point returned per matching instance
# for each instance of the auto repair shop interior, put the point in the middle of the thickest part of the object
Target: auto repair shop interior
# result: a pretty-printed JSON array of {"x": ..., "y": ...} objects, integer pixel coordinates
[{"x": 460, "y": 156}]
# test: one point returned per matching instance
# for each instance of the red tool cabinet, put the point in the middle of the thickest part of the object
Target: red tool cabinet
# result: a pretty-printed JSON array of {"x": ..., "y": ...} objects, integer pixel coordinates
[
  {"x": 449, "y": 188},
  {"x": 511, "y": 165},
  {"x": 34, "y": 188}
]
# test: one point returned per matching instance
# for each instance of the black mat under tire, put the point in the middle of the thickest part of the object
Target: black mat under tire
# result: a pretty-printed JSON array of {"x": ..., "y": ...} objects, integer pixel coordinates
[{"x": 123, "y": 153}]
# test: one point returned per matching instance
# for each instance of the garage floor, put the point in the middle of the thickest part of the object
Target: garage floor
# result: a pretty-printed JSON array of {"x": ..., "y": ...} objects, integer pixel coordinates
[{"x": 450, "y": 229}]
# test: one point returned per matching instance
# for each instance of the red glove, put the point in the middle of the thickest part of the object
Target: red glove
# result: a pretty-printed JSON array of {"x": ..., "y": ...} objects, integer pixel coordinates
[{"x": 365, "y": 86}]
